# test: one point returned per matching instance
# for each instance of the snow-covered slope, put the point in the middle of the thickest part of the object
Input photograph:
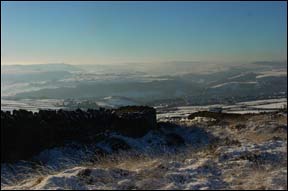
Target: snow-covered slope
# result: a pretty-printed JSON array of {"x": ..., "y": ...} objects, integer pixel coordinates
[
  {"x": 245, "y": 152},
  {"x": 195, "y": 171}
]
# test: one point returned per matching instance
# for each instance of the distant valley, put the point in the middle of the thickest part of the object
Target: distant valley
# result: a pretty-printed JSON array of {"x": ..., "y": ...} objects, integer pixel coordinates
[{"x": 113, "y": 86}]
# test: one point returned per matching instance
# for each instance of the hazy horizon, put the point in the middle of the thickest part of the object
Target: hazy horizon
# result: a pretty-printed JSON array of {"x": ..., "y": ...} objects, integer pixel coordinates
[{"x": 142, "y": 32}]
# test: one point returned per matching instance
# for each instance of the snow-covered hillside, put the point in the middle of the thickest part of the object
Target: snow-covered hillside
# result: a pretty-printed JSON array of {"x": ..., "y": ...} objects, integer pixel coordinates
[{"x": 242, "y": 152}]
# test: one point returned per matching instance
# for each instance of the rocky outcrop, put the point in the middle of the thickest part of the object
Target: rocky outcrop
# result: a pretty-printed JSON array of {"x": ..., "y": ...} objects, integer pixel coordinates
[{"x": 24, "y": 133}]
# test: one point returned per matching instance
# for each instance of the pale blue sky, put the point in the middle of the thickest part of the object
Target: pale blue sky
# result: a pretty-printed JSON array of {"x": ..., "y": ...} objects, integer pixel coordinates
[{"x": 119, "y": 32}]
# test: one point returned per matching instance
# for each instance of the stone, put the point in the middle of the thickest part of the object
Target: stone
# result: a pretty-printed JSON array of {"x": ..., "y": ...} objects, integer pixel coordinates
[{"x": 24, "y": 134}]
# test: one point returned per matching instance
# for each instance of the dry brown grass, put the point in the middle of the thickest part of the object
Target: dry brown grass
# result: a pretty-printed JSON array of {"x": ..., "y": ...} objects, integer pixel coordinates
[
  {"x": 150, "y": 168},
  {"x": 255, "y": 179},
  {"x": 257, "y": 138}
]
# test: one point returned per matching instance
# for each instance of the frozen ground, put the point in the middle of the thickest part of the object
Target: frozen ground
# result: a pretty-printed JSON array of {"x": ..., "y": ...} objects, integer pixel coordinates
[
  {"x": 31, "y": 104},
  {"x": 247, "y": 152},
  {"x": 267, "y": 105}
]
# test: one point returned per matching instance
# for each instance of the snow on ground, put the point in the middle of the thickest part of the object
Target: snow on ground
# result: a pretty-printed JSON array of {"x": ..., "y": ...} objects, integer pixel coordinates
[
  {"x": 193, "y": 171},
  {"x": 265, "y": 101},
  {"x": 247, "y": 153},
  {"x": 112, "y": 101},
  {"x": 31, "y": 104},
  {"x": 272, "y": 73},
  {"x": 231, "y": 84},
  {"x": 271, "y": 105},
  {"x": 267, "y": 105}
]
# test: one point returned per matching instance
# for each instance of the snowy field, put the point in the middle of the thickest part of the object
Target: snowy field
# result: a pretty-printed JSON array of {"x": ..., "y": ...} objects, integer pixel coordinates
[
  {"x": 194, "y": 172},
  {"x": 31, "y": 104},
  {"x": 268, "y": 105},
  {"x": 240, "y": 153}
]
